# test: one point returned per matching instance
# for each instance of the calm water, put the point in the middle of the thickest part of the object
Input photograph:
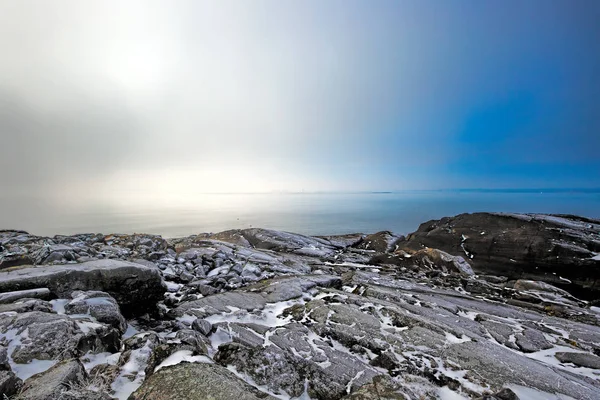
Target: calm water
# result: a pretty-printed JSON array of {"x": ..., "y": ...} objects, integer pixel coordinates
[{"x": 312, "y": 214}]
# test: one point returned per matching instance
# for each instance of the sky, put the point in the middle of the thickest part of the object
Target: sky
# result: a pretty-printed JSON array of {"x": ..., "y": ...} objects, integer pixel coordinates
[{"x": 161, "y": 99}]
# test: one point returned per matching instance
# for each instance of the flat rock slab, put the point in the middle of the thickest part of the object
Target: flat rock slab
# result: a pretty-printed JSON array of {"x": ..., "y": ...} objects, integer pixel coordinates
[
  {"x": 137, "y": 288},
  {"x": 9, "y": 297},
  {"x": 196, "y": 382}
]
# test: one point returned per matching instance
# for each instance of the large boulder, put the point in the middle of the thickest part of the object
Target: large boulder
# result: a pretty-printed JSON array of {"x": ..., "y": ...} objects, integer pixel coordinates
[
  {"x": 196, "y": 382},
  {"x": 52, "y": 383},
  {"x": 561, "y": 250},
  {"x": 137, "y": 288}
]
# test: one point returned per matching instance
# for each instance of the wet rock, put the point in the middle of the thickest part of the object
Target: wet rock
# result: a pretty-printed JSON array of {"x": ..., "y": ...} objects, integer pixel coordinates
[
  {"x": 182, "y": 382},
  {"x": 580, "y": 359},
  {"x": 136, "y": 288},
  {"x": 52, "y": 383}
]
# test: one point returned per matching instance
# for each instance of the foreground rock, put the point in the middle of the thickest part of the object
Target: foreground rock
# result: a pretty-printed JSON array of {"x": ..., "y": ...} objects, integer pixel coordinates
[
  {"x": 197, "y": 382},
  {"x": 261, "y": 314},
  {"x": 136, "y": 287}
]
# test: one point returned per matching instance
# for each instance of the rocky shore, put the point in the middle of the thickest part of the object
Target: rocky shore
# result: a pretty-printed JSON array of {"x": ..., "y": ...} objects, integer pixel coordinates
[{"x": 476, "y": 306}]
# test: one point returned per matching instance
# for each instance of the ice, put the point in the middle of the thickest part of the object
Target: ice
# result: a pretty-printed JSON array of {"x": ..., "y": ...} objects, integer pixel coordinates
[
  {"x": 596, "y": 257},
  {"x": 182, "y": 356}
]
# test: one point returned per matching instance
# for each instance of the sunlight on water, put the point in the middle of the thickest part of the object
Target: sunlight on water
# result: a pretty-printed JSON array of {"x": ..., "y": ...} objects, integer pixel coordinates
[{"x": 313, "y": 214}]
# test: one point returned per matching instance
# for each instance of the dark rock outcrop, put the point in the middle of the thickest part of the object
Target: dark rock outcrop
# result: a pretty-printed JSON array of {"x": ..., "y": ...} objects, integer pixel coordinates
[{"x": 560, "y": 250}]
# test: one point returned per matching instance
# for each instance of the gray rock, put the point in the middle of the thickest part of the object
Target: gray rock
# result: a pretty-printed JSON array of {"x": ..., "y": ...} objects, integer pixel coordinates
[
  {"x": 136, "y": 288},
  {"x": 579, "y": 359},
  {"x": 51, "y": 384},
  {"x": 532, "y": 340},
  {"x": 9, "y": 297},
  {"x": 182, "y": 382},
  {"x": 202, "y": 326},
  {"x": 42, "y": 336},
  {"x": 99, "y": 305}
]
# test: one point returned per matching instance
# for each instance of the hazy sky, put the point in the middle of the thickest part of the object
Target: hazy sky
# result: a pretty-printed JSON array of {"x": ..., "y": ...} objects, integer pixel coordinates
[{"x": 166, "y": 98}]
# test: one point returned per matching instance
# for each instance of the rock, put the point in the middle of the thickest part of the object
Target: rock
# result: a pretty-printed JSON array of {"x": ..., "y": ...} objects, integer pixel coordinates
[
  {"x": 532, "y": 340},
  {"x": 9, "y": 297},
  {"x": 504, "y": 394},
  {"x": 136, "y": 288},
  {"x": 202, "y": 326},
  {"x": 380, "y": 242},
  {"x": 427, "y": 259},
  {"x": 99, "y": 305},
  {"x": 41, "y": 336},
  {"x": 580, "y": 359},
  {"x": 4, "y": 366},
  {"x": 182, "y": 382},
  {"x": 9, "y": 384},
  {"x": 51, "y": 384},
  {"x": 382, "y": 388},
  {"x": 554, "y": 249}
]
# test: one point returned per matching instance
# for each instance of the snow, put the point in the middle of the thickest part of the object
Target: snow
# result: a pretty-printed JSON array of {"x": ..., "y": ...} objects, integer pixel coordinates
[
  {"x": 173, "y": 287},
  {"x": 596, "y": 257},
  {"x": 90, "y": 360},
  {"x": 24, "y": 371},
  {"x": 131, "y": 331},
  {"x": 58, "y": 305},
  {"x": 182, "y": 356},
  {"x": 445, "y": 393},
  {"x": 268, "y": 316},
  {"x": 451, "y": 339},
  {"x": 135, "y": 366},
  {"x": 524, "y": 392}
]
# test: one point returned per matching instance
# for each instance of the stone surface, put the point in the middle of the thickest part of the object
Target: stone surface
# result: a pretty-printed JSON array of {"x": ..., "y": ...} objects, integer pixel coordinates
[
  {"x": 196, "y": 382},
  {"x": 52, "y": 383},
  {"x": 136, "y": 287},
  {"x": 10, "y": 384},
  {"x": 257, "y": 313},
  {"x": 521, "y": 246}
]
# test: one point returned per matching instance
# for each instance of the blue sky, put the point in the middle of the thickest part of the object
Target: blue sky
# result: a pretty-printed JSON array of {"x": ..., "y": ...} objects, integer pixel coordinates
[{"x": 170, "y": 98}]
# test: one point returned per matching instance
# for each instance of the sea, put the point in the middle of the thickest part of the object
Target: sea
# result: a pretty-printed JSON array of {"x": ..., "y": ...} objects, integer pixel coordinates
[{"x": 306, "y": 213}]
